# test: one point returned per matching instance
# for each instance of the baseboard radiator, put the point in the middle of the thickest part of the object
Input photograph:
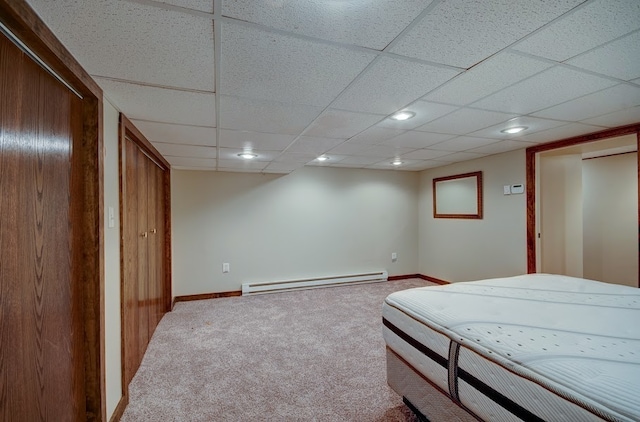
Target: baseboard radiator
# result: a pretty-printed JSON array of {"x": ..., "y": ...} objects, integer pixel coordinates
[{"x": 312, "y": 283}]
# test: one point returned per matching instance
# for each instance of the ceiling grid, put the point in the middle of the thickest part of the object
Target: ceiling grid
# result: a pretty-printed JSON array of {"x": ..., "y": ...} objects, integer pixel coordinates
[{"x": 288, "y": 82}]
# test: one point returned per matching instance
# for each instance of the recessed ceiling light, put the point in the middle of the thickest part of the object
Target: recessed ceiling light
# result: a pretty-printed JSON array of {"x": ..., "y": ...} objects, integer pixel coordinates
[
  {"x": 515, "y": 129},
  {"x": 403, "y": 115},
  {"x": 396, "y": 162},
  {"x": 247, "y": 155},
  {"x": 322, "y": 158}
]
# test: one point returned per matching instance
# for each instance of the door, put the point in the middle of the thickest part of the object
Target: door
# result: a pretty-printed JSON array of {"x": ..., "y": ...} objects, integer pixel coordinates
[
  {"x": 41, "y": 335},
  {"x": 144, "y": 253}
]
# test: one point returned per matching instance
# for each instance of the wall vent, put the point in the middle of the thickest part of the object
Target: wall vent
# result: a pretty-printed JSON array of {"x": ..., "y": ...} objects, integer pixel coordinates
[{"x": 312, "y": 283}]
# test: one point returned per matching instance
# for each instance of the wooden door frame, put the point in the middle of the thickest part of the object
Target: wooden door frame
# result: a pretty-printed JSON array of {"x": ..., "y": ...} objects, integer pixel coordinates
[
  {"x": 87, "y": 197},
  {"x": 127, "y": 130},
  {"x": 531, "y": 180}
]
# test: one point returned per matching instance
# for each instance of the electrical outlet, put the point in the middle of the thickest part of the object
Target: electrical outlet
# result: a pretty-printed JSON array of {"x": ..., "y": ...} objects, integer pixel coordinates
[
  {"x": 225, "y": 267},
  {"x": 394, "y": 257}
]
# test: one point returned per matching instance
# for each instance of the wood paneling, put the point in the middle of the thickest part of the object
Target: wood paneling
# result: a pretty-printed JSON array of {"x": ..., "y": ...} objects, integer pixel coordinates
[
  {"x": 145, "y": 278},
  {"x": 41, "y": 357}
]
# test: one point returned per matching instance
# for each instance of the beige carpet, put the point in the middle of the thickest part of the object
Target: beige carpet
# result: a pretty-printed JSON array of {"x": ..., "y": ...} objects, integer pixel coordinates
[{"x": 313, "y": 355}]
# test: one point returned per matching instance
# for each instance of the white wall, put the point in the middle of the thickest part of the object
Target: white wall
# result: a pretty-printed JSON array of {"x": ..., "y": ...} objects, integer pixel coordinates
[
  {"x": 561, "y": 214},
  {"x": 462, "y": 250},
  {"x": 610, "y": 188},
  {"x": 112, "y": 261},
  {"x": 313, "y": 222}
]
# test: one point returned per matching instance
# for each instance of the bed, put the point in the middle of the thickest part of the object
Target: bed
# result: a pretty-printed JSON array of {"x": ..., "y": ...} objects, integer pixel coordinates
[{"x": 537, "y": 347}]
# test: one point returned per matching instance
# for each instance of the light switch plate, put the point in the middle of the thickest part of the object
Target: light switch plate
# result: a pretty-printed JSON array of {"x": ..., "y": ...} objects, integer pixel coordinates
[{"x": 506, "y": 189}]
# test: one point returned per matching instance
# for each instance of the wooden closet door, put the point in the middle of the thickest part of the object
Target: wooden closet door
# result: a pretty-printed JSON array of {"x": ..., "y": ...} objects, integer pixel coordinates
[
  {"x": 152, "y": 258},
  {"x": 142, "y": 187},
  {"x": 41, "y": 355},
  {"x": 129, "y": 288},
  {"x": 144, "y": 248}
]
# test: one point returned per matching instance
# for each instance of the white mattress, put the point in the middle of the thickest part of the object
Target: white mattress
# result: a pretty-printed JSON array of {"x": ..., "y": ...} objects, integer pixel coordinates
[{"x": 560, "y": 348}]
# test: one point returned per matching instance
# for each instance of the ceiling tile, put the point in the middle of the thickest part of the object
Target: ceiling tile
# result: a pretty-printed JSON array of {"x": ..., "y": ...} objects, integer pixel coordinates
[
  {"x": 619, "y": 59},
  {"x": 190, "y": 151},
  {"x": 294, "y": 157},
  {"x": 465, "y": 32},
  {"x": 375, "y": 135},
  {"x": 415, "y": 139},
  {"x": 593, "y": 105},
  {"x": 464, "y": 121},
  {"x": 587, "y": 27},
  {"x": 288, "y": 166},
  {"x": 244, "y": 170},
  {"x": 502, "y": 146},
  {"x": 265, "y": 116},
  {"x": 390, "y": 84},
  {"x": 358, "y": 161},
  {"x": 241, "y": 164},
  {"x": 559, "y": 84},
  {"x": 386, "y": 151},
  {"x": 201, "y": 5},
  {"x": 422, "y": 165},
  {"x": 207, "y": 163},
  {"x": 425, "y": 154},
  {"x": 333, "y": 159},
  {"x": 114, "y": 37},
  {"x": 245, "y": 139},
  {"x": 388, "y": 165},
  {"x": 314, "y": 145},
  {"x": 462, "y": 143},
  {"x": 425, "y": 112},
  {"x": 140, "y": 102},
  {"x": 350, "y": 22},
  {"x": 231, "y": 154},
  {"x": 460, "y": 156},
  {"x": 562, "y": 132},
  {"x": 270, "y": 66},
  {"x": 341, "y": 124},
  {"x": 177, "y": 134},
  {"x": 533, "y": 124},
  {"x": 283, "y": 167},
  {"x": 494, "y": 74},
  {"x": 618, "y": 118},
  {"x": 349, "y": 148}
]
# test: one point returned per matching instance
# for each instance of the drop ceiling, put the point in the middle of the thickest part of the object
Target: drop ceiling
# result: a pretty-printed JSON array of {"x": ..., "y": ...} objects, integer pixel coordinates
[{"x": 293, "y": 80}]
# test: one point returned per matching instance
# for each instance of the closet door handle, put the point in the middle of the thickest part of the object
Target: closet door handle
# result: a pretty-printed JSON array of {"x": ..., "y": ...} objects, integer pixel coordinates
[
  {"x": 154, "y": 231},
  {"x": 143, "y": 234}
]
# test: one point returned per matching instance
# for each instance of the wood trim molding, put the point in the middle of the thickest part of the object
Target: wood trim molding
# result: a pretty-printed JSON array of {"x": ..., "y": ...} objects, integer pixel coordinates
[
  {"x": 205, "y": 296},
  {"x": 119, "y": 410},
  {"x": 18, "y": 16},
  {"x": 135, "y": 135},
  {"x": 479, "y": 192},
  {"x": 433, "y": 279},
  {"x": 88, "y": 159},
  {"x": 402, "y": 277},
  {"x": 236, "y": 293},
  {"x": 531, "y": 180}
]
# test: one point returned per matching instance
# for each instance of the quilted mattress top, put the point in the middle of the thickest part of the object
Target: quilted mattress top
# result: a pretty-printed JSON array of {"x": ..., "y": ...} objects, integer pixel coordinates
[{"x": 562, "y": 331}]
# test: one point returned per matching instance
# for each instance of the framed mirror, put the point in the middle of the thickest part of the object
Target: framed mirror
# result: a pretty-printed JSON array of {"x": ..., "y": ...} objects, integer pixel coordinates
[{"x": 458, "y": 196}]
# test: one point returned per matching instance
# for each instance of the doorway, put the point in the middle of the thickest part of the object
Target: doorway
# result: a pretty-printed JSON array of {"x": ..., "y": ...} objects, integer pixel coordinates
[{"x": 583, "y": 207}]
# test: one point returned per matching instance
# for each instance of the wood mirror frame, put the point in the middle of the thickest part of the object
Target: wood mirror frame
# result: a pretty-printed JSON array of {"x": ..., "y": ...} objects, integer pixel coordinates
[{"x": 460, "y": 196}]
